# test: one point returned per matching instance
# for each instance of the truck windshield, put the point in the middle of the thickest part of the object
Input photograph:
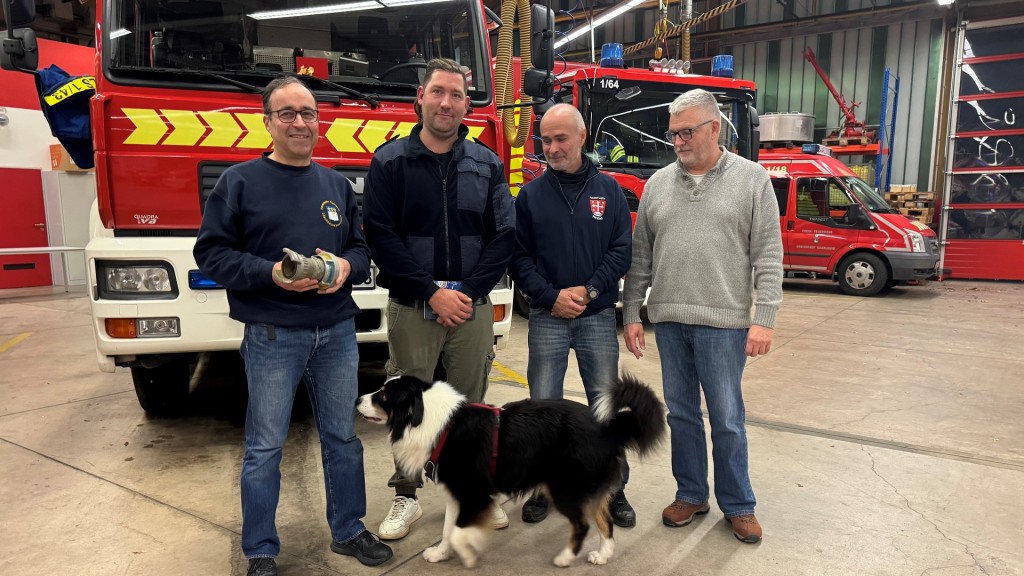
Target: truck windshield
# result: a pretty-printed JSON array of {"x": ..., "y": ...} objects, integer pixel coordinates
[
  {"x": 356, "y": 47},
  {"x": 629, "y": 125},
  {"x": 866, "y": 194}
]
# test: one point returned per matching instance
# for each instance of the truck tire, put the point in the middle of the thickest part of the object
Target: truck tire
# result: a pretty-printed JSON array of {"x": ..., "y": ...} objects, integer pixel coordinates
[
  {"x": 163, "y": 390},
  {"x": 862, "y": 274},
  {"x": 522, "y": 303}
]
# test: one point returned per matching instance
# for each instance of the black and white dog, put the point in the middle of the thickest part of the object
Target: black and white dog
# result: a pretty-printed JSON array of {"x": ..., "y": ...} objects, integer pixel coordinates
[{"x": 561, "y": 447}]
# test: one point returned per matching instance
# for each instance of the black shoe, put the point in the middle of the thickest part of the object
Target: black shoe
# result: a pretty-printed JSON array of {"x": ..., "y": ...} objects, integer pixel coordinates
[
  {"x": 622, "y": 513},
  {"x": 535, "y": 509},
  {"x": 262, "y": 567},
  {"x": 366, "y": 548}
]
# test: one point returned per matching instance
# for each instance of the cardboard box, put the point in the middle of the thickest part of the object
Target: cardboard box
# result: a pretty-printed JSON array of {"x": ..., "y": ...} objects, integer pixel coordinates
[{"x": 61, "y": 161}]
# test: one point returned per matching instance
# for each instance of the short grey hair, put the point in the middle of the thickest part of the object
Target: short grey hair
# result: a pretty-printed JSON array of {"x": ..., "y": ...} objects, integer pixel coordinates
[
  {"x": 696, "y": 98},
  {"x": 573, "y": 113}
]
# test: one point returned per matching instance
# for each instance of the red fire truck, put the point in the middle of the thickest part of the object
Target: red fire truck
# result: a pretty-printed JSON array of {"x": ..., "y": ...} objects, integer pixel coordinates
[
  {"x": 178, "y": 101},
  {"x": 853, "y": 238}
]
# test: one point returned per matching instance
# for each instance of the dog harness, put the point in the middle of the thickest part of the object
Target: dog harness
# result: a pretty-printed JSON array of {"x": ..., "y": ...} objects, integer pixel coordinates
[{"x": 430, "y": 468}]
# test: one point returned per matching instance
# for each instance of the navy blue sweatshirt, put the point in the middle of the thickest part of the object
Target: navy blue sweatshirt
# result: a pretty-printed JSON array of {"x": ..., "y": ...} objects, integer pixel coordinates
[
  {"x": 426, "y": 221},
  {"x": 260, "y": 207},
  {"x": 571, "y": 239}
]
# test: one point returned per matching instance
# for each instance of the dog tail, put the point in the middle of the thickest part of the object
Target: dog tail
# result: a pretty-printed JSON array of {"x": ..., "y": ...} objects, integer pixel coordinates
[{"x": 634, "y": 415}]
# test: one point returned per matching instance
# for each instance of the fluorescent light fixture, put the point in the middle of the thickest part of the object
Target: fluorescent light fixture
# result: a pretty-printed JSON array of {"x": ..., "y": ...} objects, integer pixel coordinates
[
  {"x": 599, "y": 21},
  {"x": 119, "y": 32},
  {"x": 337, "y": 8},
  {"x": 944, "y": 2}
]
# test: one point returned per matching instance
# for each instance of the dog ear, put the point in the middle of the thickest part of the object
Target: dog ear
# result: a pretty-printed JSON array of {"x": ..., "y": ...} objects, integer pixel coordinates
[{"x": 417, "y": 409}]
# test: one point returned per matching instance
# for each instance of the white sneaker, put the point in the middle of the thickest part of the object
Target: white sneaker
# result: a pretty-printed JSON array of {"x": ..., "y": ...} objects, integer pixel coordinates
[
  {"x": 499, "y": 517},
  {"x": 404, "y": 511}
]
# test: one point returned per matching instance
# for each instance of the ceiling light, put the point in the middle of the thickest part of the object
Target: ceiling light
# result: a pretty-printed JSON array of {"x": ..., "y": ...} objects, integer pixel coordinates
[
  {"x": 944, "y": 2},
  {"x": 599, "y": 21},
  {"x": 336, "y": 8},
  {"x": 119, "y": 32}
]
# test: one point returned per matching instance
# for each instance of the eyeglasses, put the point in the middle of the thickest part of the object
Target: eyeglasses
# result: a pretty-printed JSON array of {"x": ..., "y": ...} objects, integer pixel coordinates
[
  {"x": 288, "y": 115},
  {"x": 686, "y": 134}
]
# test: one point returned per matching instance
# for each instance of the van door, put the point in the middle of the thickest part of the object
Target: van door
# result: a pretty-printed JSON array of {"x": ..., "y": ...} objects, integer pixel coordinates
[
  {"x": 781, "y": 186},
  {"x": 822, "y": 227}
]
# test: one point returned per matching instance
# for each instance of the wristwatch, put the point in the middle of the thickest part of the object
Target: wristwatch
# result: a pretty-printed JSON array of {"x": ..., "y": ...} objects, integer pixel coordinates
[{"x": 592, "y": 292}]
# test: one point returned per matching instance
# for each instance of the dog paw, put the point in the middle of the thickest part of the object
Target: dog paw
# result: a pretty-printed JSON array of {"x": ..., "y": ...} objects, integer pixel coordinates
[
  {"x": 436, "y": 554},
  {"x": 564, "y": 558},
  {"x": 597, "y": 558}
]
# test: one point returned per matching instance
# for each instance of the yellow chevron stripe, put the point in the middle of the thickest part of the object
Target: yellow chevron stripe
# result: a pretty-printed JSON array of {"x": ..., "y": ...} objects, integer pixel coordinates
[
  {"x": 256, "y": 133},
  {"x": 224, "y": 129},
  {"x": 375, "y": 133},
  {"x": 149, "y": 127},
  {"x": 342, "y": 135},
  {"x": 403, "y": 129},
  {"x": 475, "y": 132},
  {"x": 187, "y": 128}
]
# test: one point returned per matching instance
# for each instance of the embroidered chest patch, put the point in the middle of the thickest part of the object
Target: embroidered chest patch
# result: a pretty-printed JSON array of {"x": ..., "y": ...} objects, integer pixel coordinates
[
  {"x": 331, "y": 213},
  {"x": 597, "y": 207}
]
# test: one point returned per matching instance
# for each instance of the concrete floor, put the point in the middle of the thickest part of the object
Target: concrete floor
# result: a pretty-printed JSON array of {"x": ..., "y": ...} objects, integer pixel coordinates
[{"x": 885, "y": 438}]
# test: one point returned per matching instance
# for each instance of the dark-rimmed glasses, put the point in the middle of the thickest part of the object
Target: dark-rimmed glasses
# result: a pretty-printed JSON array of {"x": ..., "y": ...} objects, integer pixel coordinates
[
  {"x": 686, "y": 134},
  {"x": 287, "y": 115}
]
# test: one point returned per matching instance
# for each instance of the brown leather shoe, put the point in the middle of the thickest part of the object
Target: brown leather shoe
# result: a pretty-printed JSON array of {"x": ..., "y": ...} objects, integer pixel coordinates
[
  {"x": 681, "y": 513},
  {"x": 746, "y": 528}
]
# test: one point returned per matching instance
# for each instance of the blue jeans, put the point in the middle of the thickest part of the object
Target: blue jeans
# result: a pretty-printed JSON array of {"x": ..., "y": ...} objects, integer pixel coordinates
[
  {"x": 276, "y": 359},
  {"x": 596, "y": 342},
  {"x": 695, "y": 357}
]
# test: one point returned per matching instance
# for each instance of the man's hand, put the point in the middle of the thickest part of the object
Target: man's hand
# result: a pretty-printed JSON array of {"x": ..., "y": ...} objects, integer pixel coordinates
[
  {"x": 451, "y": 306},
  {"x": 759, "y": 340},
  {"x": 568, "y": 305},
  {"x": 304, "y": 285},
  {"x": 344, "y": 269},
  {"x": 633, "y": 334}
]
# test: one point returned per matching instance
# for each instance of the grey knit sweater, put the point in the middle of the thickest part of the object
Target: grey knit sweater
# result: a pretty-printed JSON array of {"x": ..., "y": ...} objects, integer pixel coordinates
[{"x": 703, "y": 248}]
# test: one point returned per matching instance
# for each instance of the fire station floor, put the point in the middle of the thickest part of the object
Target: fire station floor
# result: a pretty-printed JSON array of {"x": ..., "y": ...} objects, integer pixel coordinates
[{"x": 886, "y": 437}]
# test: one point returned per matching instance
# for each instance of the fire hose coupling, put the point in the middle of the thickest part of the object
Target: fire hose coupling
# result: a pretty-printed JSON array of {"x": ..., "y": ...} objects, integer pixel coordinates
[{"x": 295, "y": 266}]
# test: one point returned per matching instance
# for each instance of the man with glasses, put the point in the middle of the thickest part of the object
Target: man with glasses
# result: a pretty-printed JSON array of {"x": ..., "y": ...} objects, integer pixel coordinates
[
  {"x": 706, "y": 236},
  {"x": 294, "y": 330}
]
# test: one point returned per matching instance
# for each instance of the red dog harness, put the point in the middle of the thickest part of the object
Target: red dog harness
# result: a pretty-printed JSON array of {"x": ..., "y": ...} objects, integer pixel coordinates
[{"x": 430, "y": 468}]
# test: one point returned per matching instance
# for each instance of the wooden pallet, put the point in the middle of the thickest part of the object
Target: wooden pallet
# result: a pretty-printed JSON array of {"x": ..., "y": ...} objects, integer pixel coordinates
[{"x": 859, "y": 141}]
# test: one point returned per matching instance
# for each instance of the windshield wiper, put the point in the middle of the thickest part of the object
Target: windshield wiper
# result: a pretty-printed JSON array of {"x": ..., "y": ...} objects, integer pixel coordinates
[
  {"x": 371, "y": 100},
  {"x": 192, "y": 72}
]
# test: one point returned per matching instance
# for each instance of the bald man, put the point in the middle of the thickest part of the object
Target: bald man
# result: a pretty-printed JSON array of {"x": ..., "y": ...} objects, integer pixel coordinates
[{"x": 573, "y": 244}]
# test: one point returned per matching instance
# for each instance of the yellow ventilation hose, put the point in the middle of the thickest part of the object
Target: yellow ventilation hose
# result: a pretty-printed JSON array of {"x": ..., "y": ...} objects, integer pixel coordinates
[{"x": 504, "y": 83}]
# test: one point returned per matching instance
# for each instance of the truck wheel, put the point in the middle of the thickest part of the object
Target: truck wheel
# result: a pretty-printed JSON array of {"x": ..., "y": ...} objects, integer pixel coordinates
[
  {"x": 862, "y": 274},
  {"x": 163, "y": 391},
  {"x": 522, "y": 303}
]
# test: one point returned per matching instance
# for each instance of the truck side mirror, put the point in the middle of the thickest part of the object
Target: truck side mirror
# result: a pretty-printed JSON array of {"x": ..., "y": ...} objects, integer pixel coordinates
[
  {"x": 859, "y": 217},
  {"x": 542, "y": 37},
  {"x": 20, "y": 52},
  {"x": 755, "y": 133},
  {"x": 19, "y": 13}
]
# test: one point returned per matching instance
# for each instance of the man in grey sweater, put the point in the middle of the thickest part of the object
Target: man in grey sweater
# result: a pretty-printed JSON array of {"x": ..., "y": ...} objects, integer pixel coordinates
[{"x": 707, "y": 235}]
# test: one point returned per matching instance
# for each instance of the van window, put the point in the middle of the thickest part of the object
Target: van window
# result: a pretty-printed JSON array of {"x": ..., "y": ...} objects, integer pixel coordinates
[
  {"x": 781, "y": 186},
  {"x": 823, "y": 200}
]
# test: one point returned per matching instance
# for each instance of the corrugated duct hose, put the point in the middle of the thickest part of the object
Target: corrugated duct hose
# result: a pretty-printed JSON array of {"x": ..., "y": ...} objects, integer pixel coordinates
[{"x": 503, "y": 81}]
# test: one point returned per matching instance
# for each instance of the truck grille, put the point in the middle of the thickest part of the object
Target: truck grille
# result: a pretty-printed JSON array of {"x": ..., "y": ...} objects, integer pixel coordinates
[{"x": 209, "y": 173}]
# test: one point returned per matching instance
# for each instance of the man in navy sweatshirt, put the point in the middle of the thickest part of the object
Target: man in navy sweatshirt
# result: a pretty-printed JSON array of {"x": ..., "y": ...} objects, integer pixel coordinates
[
  {"x": 573, "y": 244},
  {"x": 293, "y": 330}
]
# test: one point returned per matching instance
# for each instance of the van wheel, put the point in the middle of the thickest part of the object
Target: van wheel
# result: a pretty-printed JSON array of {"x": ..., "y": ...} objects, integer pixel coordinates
[
  {"x": 522, "y": 303},
  {"x": 163, "y": 390},
  {"x": 862, "y": 274}
]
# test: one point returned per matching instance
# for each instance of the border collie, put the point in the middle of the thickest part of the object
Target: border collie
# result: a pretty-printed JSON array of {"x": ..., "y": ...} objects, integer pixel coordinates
[{"x": 563, "y": 448}]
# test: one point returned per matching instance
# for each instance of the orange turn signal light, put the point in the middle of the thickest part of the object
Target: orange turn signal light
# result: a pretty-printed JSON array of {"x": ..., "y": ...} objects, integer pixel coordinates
[
  {"x": 121, "y": 327},
  {"x": 499, "y": 312}
]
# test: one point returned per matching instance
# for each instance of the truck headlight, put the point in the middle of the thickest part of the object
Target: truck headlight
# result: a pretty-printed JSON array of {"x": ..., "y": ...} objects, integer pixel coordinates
[
  {"x": 916, "y": 242},
  {"x": 136, "y": 280}
]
